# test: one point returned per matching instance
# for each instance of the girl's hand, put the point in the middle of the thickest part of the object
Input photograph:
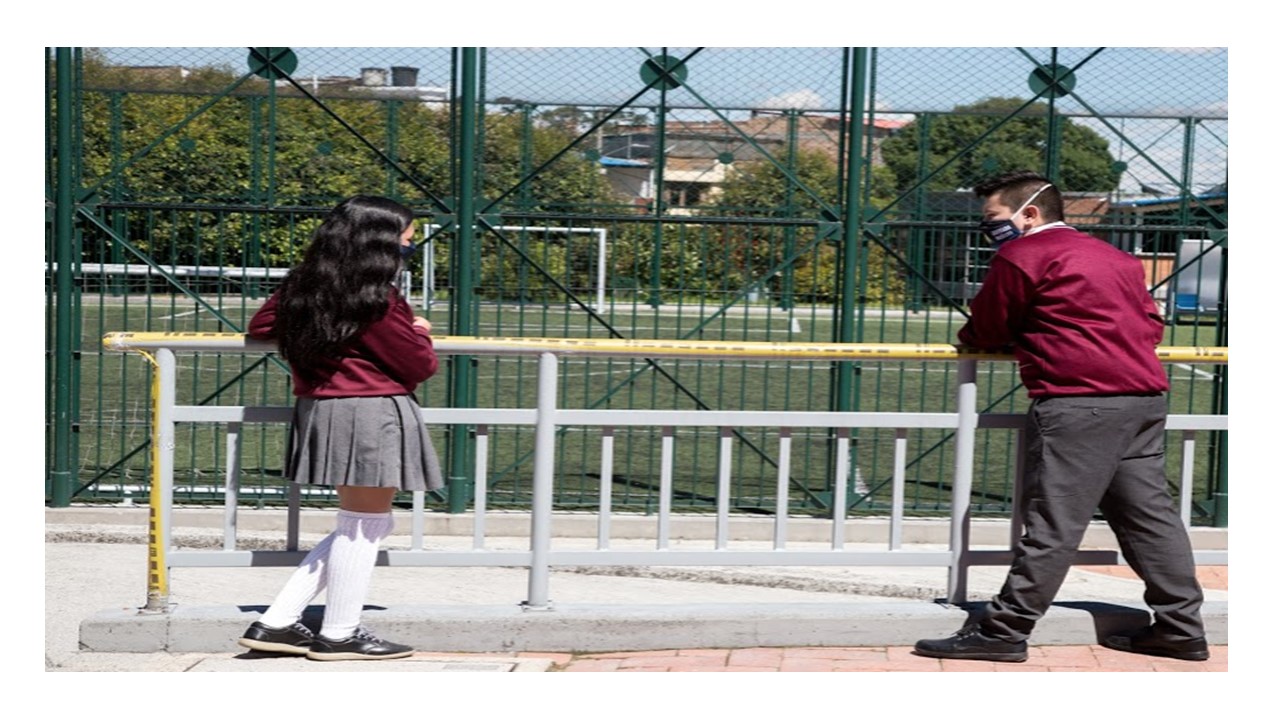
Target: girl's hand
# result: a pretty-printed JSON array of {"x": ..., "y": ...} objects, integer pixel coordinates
[{"x": 422, "y": 322}]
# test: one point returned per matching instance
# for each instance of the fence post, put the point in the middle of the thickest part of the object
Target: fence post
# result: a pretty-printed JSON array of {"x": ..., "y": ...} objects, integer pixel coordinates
[
  {"x": 846, "y": 382},
  {"x": 544, "y": 458},
  {"x": 462, "y": 372},
  {"x": 966, "y": 428},
  {"x": 59, "y": 490}
]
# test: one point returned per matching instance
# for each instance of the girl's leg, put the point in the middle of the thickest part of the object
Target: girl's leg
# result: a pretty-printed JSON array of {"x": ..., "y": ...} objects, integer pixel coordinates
[
  {"x": 364, "y": 519},
  {"x": 279, "y": 629},
  {"x": 303, "y": 587}
]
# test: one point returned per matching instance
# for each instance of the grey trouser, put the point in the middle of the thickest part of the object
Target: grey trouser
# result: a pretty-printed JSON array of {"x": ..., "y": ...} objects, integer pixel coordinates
[{"x": 1088, "y": 453}]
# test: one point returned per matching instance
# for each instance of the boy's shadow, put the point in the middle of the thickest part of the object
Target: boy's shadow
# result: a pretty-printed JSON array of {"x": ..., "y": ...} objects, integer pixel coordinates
[{"x": 1108, "y": 618}]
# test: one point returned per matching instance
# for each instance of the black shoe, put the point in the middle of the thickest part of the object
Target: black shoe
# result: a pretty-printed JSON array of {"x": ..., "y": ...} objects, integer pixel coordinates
[
  {"x": 292, "y": 640},
  {"x": 970, "y": 644},
  {"x": 1147, "y": 642},
  {"x": 362, "y": 645}
]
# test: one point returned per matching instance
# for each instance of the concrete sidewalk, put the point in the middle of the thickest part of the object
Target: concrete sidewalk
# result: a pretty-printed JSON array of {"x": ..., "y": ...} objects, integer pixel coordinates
[{"x": 95, "y": 569}]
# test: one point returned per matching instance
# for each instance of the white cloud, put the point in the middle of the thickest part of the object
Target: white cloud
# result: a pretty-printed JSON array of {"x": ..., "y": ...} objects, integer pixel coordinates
[
  {"x": 885, "y": 111},
  {"x": 1210, "y": 110},
  {"x": 1191, "y": 50},
  {"x": 797, "y": 100}
]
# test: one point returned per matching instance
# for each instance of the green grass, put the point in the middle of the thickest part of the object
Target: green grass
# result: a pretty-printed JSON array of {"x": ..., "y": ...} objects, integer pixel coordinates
[{"x": 114, "y": 405}]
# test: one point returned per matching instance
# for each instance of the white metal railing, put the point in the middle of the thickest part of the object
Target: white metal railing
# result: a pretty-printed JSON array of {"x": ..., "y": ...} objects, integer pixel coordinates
[
  {"x": 229, "y": 272},
  {"x": 160, "y": 348}
]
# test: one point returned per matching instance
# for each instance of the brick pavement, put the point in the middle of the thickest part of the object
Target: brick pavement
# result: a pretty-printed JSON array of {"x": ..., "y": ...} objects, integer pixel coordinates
[
  {"x": 1056, "y": 658},
  {"x": 1049, "y": 658}
]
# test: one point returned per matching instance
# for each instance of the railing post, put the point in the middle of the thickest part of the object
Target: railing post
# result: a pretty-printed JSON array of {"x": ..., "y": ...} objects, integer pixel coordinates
[
  {"x": 544, "y": 457},
  {"x": 1186, "y": 480},
  {"x": 161, "y": 502},
  {"x": 666, "y": 480},
  {"x": 480, "y": 507},
  {"x": 1016, "y": 517},
  {"x": 231, "y": 496},
  {"x": 966, "y": 428}
]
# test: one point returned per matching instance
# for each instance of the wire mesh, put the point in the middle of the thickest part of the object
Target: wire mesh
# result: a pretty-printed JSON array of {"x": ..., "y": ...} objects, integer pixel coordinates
[{"x": 685, "y": 193}]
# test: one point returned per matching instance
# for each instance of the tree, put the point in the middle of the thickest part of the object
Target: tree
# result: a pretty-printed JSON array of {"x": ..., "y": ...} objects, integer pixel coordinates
[
  {"x": 569, "y": 182},
  {"x": 1020, "y": 143},
  {"x": 762, "y": 189},
  {"x": 245, "y": 148}
]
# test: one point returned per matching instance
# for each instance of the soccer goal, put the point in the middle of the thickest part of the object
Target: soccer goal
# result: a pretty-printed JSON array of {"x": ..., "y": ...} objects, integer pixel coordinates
[{"x": 601, "y": 265}]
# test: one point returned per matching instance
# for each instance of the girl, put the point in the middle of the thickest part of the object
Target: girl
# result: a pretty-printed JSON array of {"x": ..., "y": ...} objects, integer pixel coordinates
[{"x": 357, "y": 353}]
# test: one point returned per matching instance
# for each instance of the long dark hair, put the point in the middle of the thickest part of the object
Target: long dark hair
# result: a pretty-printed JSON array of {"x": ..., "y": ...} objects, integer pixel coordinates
[{"x": 343, "y": 282}]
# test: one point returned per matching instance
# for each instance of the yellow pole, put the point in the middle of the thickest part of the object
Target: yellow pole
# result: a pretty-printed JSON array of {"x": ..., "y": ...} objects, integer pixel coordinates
[
  {"x": 455, "y": 345},
  {"x": 157, "y": 568}
]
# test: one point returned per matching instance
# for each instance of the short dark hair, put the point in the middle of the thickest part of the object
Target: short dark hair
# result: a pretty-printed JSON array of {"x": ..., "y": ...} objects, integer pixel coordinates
[{"x": 1015, "y": 187}]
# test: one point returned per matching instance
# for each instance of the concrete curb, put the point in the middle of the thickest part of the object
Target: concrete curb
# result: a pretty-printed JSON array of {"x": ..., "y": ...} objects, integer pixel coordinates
[
  {"x": 607, "y": 628},
  {"x": 1092, "y": 607}
]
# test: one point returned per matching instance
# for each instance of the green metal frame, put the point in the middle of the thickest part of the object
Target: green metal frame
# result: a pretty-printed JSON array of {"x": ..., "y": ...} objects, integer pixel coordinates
[{"x": 871, "y": 243}]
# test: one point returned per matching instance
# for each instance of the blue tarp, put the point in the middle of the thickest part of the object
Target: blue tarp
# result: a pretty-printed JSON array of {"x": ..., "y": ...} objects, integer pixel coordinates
[{"x": 622, "y": 162}]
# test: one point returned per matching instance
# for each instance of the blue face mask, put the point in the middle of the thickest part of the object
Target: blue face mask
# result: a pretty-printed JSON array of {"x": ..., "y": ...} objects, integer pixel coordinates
[
  {"x": 407, "y": 251},
  {"x": 1000, "y": 232}
]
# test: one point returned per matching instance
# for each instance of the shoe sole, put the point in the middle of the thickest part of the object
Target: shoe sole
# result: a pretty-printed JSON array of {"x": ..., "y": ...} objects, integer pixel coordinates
[
  {"x": 356, "y": 656},
  {"x": 991, "y": 657},
  {"x": 1193, "y": 656},
  {"x": 265, "y": 646}
]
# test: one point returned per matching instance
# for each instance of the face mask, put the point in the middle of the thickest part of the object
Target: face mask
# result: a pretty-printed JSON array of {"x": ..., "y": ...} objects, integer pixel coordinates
[
  {"x": 1000, "y": 232},
  {"x": 407, "y": 251}
]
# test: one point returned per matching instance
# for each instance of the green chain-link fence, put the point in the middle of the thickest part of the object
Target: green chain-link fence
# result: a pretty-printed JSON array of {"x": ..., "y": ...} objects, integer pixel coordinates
[{"x": 775, "y": 194}]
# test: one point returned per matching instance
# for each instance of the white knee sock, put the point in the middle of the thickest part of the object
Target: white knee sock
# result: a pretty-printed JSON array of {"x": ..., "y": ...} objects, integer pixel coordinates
[
  {"x": 303, "y": 586},
  {"x": 351, "y": 559}
]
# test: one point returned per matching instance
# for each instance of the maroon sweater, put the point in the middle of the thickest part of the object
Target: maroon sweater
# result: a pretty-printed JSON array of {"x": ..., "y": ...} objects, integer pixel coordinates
[
  {"x": 1077, "y": 313},
  {"x": 390, "y": 357}
]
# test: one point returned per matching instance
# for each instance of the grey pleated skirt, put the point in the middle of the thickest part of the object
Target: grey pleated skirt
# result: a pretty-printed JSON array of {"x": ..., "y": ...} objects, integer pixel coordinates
[{"x": 362, "y": 441}]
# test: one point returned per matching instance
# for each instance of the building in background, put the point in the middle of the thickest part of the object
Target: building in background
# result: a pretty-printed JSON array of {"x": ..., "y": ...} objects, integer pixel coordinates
[{"x": 698, "y": 157}]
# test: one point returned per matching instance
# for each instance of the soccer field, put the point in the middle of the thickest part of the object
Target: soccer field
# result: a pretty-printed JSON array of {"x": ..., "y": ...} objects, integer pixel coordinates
[{"x": 114, "y": 403}]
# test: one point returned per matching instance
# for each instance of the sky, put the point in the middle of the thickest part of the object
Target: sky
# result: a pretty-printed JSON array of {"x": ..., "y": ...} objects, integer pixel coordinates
[
  {"x": 1115, "y": 80},
  {"x": 1142, "y": 91}
]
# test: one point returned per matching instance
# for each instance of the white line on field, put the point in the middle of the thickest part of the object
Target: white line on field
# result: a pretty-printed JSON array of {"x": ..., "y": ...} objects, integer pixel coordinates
[{"x": 1194, "y": 370}]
